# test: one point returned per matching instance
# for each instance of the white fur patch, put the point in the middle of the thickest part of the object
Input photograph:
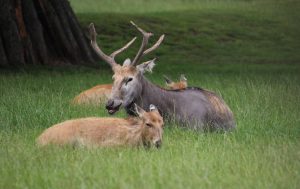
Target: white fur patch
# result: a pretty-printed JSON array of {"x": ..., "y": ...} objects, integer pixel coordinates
[
  {"x": 146, "y": 66},
  {"x": 152, "y": 107},
  {"x": 127, "y": 62},
  {"x": 150, "y": 66}
]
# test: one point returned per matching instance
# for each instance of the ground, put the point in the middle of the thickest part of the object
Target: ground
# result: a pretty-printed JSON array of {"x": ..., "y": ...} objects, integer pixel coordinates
[{"x": 246, "y": 51}]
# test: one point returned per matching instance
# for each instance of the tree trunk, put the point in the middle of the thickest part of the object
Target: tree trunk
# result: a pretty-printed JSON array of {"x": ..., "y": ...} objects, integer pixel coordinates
[{"x": 42, "y": 32}]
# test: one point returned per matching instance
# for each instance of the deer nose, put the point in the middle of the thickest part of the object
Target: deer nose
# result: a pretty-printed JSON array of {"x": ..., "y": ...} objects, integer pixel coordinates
[
  {"x": 113, "y": 105},
  {"x": 109, "y": 104},
  {"x": 158, "y": 143}
]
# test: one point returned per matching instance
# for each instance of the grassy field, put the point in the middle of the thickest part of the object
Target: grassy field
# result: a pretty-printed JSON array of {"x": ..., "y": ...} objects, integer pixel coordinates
[{"x": 246, "y": 51}]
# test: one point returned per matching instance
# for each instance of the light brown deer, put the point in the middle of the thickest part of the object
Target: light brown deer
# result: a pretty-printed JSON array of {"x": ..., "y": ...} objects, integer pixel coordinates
[
  {"x": 93, "y": 96},
  {"x": 100, "y": 93},
  {"x": 144, "y": 130}
]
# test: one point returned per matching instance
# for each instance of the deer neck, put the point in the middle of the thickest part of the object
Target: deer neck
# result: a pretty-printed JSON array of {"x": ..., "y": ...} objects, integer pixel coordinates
[{"x": 152, "y": 94}]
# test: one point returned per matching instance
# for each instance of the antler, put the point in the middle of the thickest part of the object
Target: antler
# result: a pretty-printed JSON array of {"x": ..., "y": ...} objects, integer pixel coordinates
[
  {"x": 111, "y": 58},
  {"x": 143, "y": 51}
]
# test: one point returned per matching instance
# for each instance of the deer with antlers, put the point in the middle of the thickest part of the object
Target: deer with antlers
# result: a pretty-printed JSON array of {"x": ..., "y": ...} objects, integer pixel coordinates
[{"x": 193, "y": 107}]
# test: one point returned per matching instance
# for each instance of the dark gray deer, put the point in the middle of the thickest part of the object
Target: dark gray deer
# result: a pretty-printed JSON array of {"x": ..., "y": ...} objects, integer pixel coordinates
[{"x": 193, "y": 107}]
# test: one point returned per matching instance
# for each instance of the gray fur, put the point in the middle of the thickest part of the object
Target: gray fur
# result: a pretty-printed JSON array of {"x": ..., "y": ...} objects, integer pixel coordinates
[{"x": 190, "y": 107}]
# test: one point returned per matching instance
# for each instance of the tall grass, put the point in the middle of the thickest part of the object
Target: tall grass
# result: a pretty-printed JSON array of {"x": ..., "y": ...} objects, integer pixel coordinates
[{"x": 262, "y": 153}]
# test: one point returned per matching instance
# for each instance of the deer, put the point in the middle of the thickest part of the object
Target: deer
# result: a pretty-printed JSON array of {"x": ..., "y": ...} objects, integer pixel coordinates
[
  {"x": 93, "y": 96},
  {"x": 180, "y": 85},
  {"x": 144, "y": 130},
  {"x": 193, "y": 108},
  {"x": 100, "y": 93}
]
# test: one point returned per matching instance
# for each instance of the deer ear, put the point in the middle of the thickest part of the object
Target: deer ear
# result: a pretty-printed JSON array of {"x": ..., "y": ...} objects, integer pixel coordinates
[
  {"x": 183, "y": 78},
  {"x": 127, "y": 62},
  {"x": 152, "y": 108},
  {"x": 168, "y": 81},
  {"x": 146, "y": 66},
  {"x": 138, "y": 110}
]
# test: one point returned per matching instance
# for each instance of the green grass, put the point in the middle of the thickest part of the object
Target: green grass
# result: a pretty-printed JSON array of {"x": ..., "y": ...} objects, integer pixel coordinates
[
  {"x": 219, "y": 45},
  {"x": 262, "y": 153},
  {"x": 217, "y": 32}
]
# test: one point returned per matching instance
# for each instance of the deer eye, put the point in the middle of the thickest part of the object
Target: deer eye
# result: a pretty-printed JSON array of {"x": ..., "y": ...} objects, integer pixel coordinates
[
  {"x": 149, "y": 125},
  {"x": 128, "y": 80}
]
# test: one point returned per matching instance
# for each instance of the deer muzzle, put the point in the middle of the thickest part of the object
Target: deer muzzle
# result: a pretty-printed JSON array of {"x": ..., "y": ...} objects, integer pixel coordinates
[
  {"x": 113, "y": 106},
  {"x": 158, "y": 143}
]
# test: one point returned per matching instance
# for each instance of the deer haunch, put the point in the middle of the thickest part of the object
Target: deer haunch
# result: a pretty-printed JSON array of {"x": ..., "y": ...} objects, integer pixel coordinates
[{"x": 145, "y": 130}]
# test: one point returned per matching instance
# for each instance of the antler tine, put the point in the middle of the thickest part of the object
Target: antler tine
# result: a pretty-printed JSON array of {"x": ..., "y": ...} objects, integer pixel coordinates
[
  {"x": 123, "y": 48},
  {"x": 146, "y": 36},
  {"x": 100, "y": 53},
  {"x": 141, "y": 30},
  {"x": 155, "y": 46},
  {"x": 109, "y": 59}
]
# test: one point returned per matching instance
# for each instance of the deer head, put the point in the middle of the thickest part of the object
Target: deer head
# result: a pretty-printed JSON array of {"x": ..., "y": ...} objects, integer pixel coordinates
[
  {"x": 126, "y": 78},
  {"x": 182, "y": 84},
  {"x": 152, "y": 126}
]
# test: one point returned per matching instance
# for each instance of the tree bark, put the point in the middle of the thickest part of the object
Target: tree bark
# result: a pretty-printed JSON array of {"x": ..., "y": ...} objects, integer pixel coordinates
[{"x": 42, "y": 32}]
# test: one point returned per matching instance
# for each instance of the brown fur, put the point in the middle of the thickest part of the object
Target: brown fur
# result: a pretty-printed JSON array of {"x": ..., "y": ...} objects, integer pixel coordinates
[
  {"x": 105, "y": 132},
  {"x": 123, "y": 71},
  {"x": 181, "y": 85},
  {"x": 94, "y": 96},
  {"x": 219, "y": 106}
]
